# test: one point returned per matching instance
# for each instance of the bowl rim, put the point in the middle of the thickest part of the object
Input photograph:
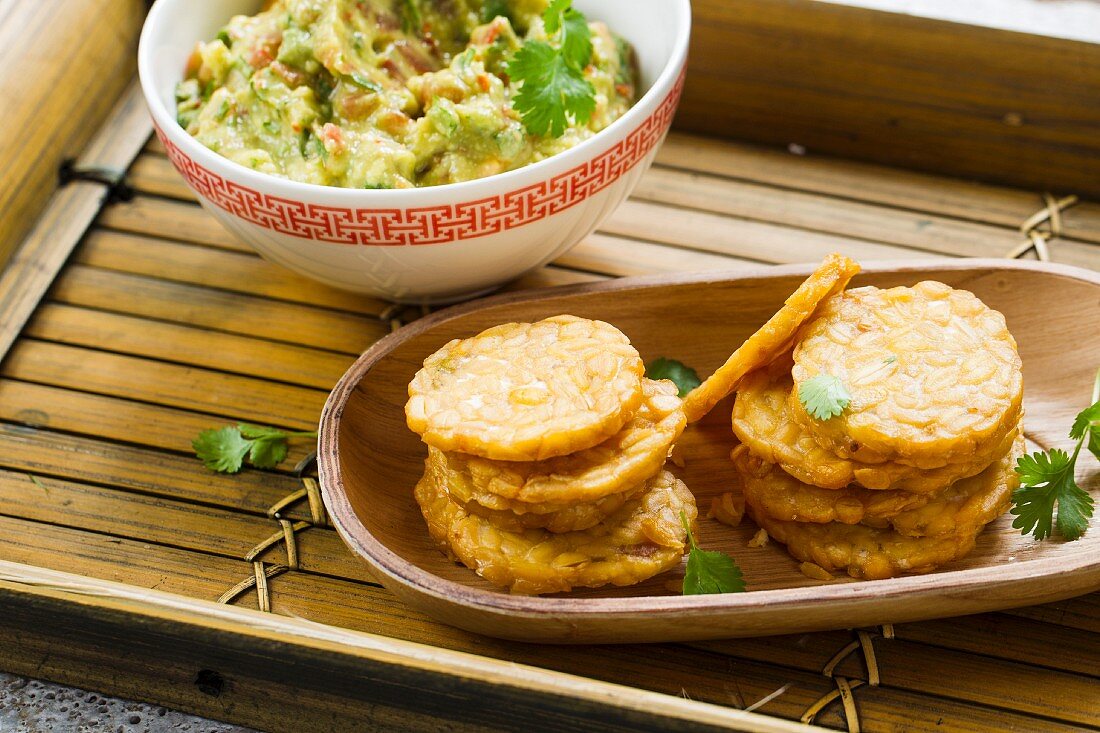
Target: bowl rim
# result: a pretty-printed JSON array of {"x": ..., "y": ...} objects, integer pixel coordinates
[
  {"x": 545, "y": 169},
  {"x": 405, "y": 574}
]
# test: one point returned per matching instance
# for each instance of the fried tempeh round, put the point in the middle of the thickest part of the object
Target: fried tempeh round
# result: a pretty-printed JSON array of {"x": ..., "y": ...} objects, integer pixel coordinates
[
  {"x": 762, "y": 421},
  {"x": 619, "y": 463},
  {"x": 969, "y": 502},
  {"x": 933, "y": 373},
  {"x": 783, "y": 497},
  {"x": 517, "y": 516},
  {"x": 774, "y": 337},
  {"x": 567, "y": 518},
  {"x": 977, "y": 500},
  {"x": 643, "y": 538},
  {"x": 866, "y": 553},
  {"x": 572, "y": 517},
  {"x": 527, "y": 391}
]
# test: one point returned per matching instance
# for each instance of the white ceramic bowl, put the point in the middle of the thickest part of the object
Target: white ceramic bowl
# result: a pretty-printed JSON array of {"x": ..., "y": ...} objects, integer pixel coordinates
[{"x": 423, "y": 245}]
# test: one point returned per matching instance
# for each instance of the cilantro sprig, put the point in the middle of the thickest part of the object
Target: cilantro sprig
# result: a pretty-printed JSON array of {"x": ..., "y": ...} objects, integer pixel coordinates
[
  {"x": 1047, "y": 481},
  {"x": 224, "y": 449},
  {"x": 709, "y": 571},
  {"x": 554, "y": 90},
  {"x": 824, "y": 396},
  {"x": 684, "y": 377}
]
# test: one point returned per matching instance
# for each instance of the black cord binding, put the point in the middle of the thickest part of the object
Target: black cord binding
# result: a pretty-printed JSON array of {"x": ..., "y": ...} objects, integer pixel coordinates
[{"x": 115, "y": 181}]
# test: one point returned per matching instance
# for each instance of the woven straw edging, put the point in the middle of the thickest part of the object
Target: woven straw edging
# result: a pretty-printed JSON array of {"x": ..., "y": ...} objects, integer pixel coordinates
[{"x": 1042, "y": 227}]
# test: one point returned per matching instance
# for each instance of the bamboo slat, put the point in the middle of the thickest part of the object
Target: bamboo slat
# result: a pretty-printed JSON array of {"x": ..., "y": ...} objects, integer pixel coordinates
[
  {"x": 188, "y": 345},
  {"x": 552, "y": 276},
  {"x": 159, "y": 383},
  {"x": 1081, "y": 613},
  {"x": 170, "y": 523},
  {"x": 742, "y": 238},
  {"x": 153, "y": 173},
  {"x": 895, "y": 188},
  {"x": 1008, "y": 637},
  {"x": 80, "y": 67},
  {"x": 816, "y": 212},
  {"x": 110, "y": 418},
  {"x": 46, "y": 453},
  {"x": 603, "y": 253},
  {"x": 176, "y": 220},
  {"x": 162, "y": 325},
  {"x": 154, "y": 147},
  {"x": 217, "y": 310},
  {"x": 237, "y": 272}
]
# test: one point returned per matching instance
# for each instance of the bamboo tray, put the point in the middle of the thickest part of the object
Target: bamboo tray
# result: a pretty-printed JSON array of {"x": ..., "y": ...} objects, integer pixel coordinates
[
  {"x": 369, "y": 463},
  {"x": 159, "y": 325},
  {"x": 123, "y": 339}
]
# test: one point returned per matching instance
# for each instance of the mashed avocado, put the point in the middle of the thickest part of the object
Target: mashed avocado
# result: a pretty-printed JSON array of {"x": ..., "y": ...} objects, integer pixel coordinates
[{"x": 383, "y": 93}]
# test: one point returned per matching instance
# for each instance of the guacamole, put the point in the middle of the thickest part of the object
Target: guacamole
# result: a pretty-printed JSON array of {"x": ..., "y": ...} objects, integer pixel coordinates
[{"x": 384, "y": 93}]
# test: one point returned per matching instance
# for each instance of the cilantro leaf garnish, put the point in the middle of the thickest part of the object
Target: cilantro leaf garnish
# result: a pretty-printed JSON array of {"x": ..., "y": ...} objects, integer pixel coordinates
[
  {"x": 709, "y": 571},
  {"x": 824, "y": 396},
  {"x": 552, "y": 16},
  {"x": 1088, "y": 424},
  {"x": 1047, "y": 481},
  {"x": 224, "y": 449},
  {"x": 221, "y": 450},
  {"x": 553, "y": 89},
  {"x": 684, "y": 377},
  {"x": 1092, "y": 430},
  {"x": 576, "y": 36}
]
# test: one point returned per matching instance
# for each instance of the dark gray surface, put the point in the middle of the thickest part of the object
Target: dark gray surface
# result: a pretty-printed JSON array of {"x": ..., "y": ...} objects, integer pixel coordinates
[{"x": 31, "y": 706}]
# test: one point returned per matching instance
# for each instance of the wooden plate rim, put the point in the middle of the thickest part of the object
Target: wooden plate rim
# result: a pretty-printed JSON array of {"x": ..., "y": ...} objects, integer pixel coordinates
[{"x": 405, "y": 573}]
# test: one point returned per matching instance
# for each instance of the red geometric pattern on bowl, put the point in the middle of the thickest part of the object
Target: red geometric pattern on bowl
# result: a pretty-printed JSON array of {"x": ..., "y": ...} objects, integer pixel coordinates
[{"x": 431, "y": 225}]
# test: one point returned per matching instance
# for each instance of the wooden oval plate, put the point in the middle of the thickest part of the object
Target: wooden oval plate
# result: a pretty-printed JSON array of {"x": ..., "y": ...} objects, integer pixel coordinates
[{"x": 370, "y": 461}]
